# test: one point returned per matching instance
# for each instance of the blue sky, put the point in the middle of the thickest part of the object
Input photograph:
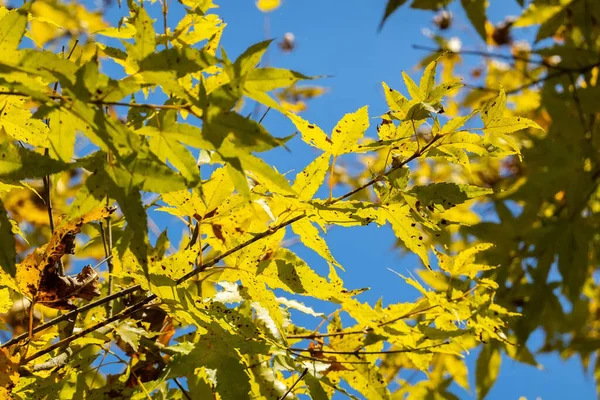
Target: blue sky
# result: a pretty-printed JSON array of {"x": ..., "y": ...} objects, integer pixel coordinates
[{"x": 340, "y": 39}]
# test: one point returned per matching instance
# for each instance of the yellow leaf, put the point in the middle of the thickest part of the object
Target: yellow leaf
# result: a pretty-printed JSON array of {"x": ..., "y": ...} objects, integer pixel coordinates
[
  {"x": 413, "y": 89},
  {"x": 17, "y": 122},
  {"x": 311, "y": 178},
  {"x": 309, "y": 235},
  {"x": 404, "y": 227},
  {"x": 5, "y": 301},
  {"x": 348, "y": 131},
  {"x": 311, "y": 133}
]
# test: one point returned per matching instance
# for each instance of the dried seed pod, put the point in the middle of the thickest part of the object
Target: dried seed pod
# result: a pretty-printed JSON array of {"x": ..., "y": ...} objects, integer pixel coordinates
[
  {"x": 288, "y": 43},
  {"x": 443, "y": 19}
]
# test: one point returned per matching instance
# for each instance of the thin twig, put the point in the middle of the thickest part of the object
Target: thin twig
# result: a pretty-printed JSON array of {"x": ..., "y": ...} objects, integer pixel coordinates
[
  {"x": 364, "y": 352},
  {"x": 142, "y": 105},
  {"x": 315, "y": 335},
  {"x": 486, "y": 54},
  {"x": 165, "y": 10},
  {"x": 185, "y": 393},
  {"x": 578, "y": 105},
  {"x": 124, "y": 313},
  {"x": 326, "y": 361},
  {"x": 295, "y": 383},
  {"x": 264, "y": 115},
  {"x": 108, "y": 251},
  {"x": 57, "y": 96}
]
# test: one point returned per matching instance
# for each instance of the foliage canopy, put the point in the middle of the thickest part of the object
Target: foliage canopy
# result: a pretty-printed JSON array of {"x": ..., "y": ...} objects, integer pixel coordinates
[{"x": 86, "y": 160}]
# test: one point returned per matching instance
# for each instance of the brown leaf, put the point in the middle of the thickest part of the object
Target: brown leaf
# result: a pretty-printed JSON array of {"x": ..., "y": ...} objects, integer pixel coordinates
[
  {"x": 57, "y": 291},
  {"x": 335, "y": 365},
  {"x": 38, "y": 277}
]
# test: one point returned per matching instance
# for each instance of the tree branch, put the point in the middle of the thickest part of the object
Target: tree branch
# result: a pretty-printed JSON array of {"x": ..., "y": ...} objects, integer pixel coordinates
[
  {"x": 326, "y": 361},
  {"x": 543, "y": 79},
  {"x": 56, "y": 96},
  {"x": 56, "y": 362},
  {"x": 486, "y": 54},
  {"x": 72, "y": 313}
]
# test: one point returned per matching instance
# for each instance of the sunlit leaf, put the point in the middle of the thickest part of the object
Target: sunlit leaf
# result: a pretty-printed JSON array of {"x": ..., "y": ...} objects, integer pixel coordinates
[{"x": 348, "y": 131}]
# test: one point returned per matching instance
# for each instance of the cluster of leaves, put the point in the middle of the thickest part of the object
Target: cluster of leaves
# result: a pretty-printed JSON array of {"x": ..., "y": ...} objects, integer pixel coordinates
[
  {"x": 211, "y": 316},
  {"x": 545, "y": 210}
]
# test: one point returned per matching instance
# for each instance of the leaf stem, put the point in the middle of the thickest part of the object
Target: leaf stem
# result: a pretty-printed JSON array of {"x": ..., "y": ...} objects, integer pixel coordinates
[{"x": 295, "y": 383}]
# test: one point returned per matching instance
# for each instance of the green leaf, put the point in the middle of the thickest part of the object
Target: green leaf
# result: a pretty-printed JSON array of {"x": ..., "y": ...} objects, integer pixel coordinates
[
  {"x": 145, "y": 37},
  {"x": 495, "y": 123},
  {"x": 267, "y": 79},
  {"x": 390, "y": 7},
  {"x": 475, "y": 10},
  {"x": 166, "y": 67},
  {"x": 12, "y": 29},
  {"x": 130, "y": 334},
  {"x": 168, "y": 149},
  {"x": 348, "y": 131},
  {"x": 90, "y": 194},
  {"x": 17, "y": 163},
  {"x": 8, "y": 253},
  {"x": 250, "y": 58},
  {"x": 244, "y": 134},
  {"x": 448, "y": 194},
  {"x": 538, "y": 12},
  {"x": 145, "y": 172},
  {"x": 234, "y": 168},
  {"x": 309, "y": 180},
  {"x": 427, "y": 82},
  {"x": 347, "y": 213},
  {"x": 573, "y": 248},
  {"x": 62, "y": 134},
  {"x": 232, "y": 378},
  {"x": 316, "y": 390},
  {"x": 552, "y": 25},
  {"x": 433, "y": 5},
  {"x": 130, "y": 202},
  {"x": 487, "y": 369}
]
